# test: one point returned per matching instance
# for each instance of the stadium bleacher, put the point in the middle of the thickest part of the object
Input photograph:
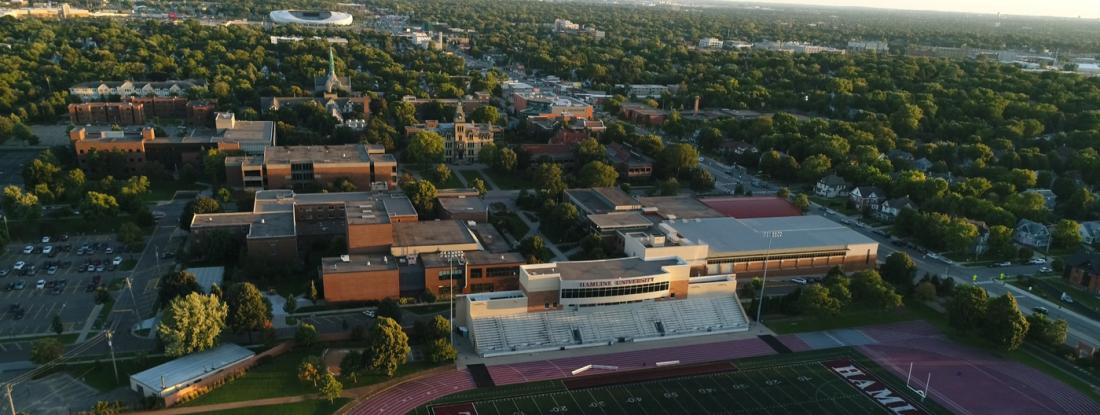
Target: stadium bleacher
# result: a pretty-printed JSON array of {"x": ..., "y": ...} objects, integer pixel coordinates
[{"x": 601, "y": 325}]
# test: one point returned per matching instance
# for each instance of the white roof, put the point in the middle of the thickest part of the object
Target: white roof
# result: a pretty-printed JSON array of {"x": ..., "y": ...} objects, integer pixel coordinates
[
  {"x": 181, "y": 372},
  {"x": 730, "y": 236}
]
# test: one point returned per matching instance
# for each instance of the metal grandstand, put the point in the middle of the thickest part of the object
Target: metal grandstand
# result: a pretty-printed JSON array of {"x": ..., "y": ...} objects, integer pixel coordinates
[{"x": 602, "y": 325}]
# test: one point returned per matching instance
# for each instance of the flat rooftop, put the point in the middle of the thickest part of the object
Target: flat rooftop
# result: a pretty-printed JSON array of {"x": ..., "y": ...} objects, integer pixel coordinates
[
  {"x": 605, "y": 269},
  {"x": 349, "y": 153},
  {"x": 619, "y": 220},
  {"x": 679, "y": 207},
  {"x": 602, "y": 199},
  {"x": 184, "y": 370},
  {"x": 260, "y": 224},
  {"x": 748, "y": 207},
  {"x": 440, "y": 232},
  {"x": 358, "y": 263},
  {"x": 434, "y": 260},
  {"x": 730, "y": 236},
  {"x": 463, "y": 204}
]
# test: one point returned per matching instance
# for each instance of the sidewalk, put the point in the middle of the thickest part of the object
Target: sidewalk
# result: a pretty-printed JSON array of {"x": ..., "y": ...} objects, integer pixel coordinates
[{"x": 88, "y": 323}]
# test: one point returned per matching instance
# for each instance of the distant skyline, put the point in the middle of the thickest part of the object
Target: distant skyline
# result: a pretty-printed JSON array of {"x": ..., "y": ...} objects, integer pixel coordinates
[{"x": 1058, "y": 8}]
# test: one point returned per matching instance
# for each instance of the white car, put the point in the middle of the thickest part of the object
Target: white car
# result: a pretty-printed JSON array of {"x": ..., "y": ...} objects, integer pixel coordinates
[
  {"x": 40, "y": 284},
  {"x": 28, "y": 249},
  {"x": 47, "y": 249},
  {"x": 1037, "y": 261},
  {"x": 19, "y": 266},
  {"x": 799, "y": 281},
  {"x": 116, "y": 261},
  {"x": 1045, "y": 269},
  {"x": 45, "y": 239}
]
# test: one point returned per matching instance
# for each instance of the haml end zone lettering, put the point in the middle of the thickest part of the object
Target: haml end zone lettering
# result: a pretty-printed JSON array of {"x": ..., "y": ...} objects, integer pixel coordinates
[{"x": 872, "y": 387}]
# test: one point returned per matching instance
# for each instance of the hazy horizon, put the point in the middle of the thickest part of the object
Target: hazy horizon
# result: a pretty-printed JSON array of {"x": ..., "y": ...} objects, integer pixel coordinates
[{"x": 1051, "y": 8}]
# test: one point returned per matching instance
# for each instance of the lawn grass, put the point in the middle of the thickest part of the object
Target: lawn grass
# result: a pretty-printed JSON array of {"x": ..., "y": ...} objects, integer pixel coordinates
[
  {"x": 470, "y": 175},
  {"x": 847, "y": 318},
  {"x": 311, "y": 407},
  {"x": 165, "y": 189},
  {"x": 427, "y": 309},
  {"x": 509, "y": 181},
  {"x": 511, "y": 223},
  {"x": 278, "y": 377},
  {"x": 101, "y": 375},
  {"x": 103, "y": 313},
  {"x": 839, "y": 204},
  {"x": 427, "y": 171}
]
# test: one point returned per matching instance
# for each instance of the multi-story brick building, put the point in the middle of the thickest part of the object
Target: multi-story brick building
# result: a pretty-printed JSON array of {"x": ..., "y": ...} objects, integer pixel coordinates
[
  {"x": 138, "y": 110},
  {"x": 365, "y": 166},
  {"x": 643, "y": 114},
  {"x": 462, "y": 140},
  {"x": 137, "y": 149},
  {"x": 475, "y": 272}
]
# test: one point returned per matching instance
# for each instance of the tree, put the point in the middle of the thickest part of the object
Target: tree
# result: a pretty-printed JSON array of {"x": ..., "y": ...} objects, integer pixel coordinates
[
  {"x": 1045, "y": 331},
  {"x": 489, "y": 155},
  {"x": 783, "y": 193},
  {"x": 102, "y": 295},
  {"x": 441, "y": 350},
  {"x": 306, "y": 335},
  {"x": 479, "y": 185},
  {"x": 548, "y": 180},
  {"x": 589, "y": 150},
  {"x": 191, "y": 324},
  {"x": 97, "y": 206},
  {"x": 710, "y": 138},
  {"x": 925, "y": 291},
  {"x": 439, "y": 328},
  {"x": 598, "y": 174},
  {"x": 309, "y": 370},
  {"x": 174, "y": 285},
  {"x": 290, "y": 303},
  {"x": 701, "y": 180},
  {"x": 389, "y": 307},
  {"x": 132, "y": 190},
  {"x": 486, "y": 114},
  {"x": 677, "y": 158},
  {"x": 330, "y": 387},
  {"x": 1004, "y": 324},
  {"x": 201, "y": 205},
  {"x": 814, "y": 167},
  {"x": 1066, "y": 234},
  {"x": 532, "y": 247},
  {"x": 815, "y": 301},
  {"x": 19, "y": 204},
  {"x": 967, "y": 307},
  {"x": 387, "y": 346},
  {"x": 46, "y": 350},
  {"x": 869, "y": 289},
  {"x": 506, "y": 160},
  {"x": 441, "y": 174},
  {"x": 899, "y": 269},
  {"x": 802, "y": 202},
  {"x": 56, "y": 325},
  {"x": 425, "y": 147},
  {"x": 1000, "y": 244},
  {"x": 668, "y": 187},
  {"x": 312, "y": 292},
  {"x": 249, "y": 310},
  {"x": 130, "y": 234},
  {"x": 422, "y": 194}
]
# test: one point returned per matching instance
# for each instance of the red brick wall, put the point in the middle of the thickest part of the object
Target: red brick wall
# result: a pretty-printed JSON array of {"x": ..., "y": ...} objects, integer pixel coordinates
[
  {"x": 361, "y": 286},
  {"x": 371, "y": 238}
]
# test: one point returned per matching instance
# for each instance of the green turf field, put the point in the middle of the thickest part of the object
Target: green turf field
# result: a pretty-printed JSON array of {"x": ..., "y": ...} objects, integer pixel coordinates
[{"x": 795, "y": 384}]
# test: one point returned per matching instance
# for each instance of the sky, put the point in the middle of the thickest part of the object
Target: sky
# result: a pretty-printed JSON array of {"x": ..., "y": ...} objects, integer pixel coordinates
[{"x": 1063, "y": 8}]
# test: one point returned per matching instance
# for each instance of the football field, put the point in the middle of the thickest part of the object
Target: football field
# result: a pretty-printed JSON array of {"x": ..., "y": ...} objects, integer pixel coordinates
[{"x": 838, "y": 382}]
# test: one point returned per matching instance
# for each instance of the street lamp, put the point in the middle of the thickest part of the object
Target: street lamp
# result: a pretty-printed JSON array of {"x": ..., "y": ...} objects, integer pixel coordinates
[
  {"x": 772, "y": 236},
  {"x": 451, "y": 257}
]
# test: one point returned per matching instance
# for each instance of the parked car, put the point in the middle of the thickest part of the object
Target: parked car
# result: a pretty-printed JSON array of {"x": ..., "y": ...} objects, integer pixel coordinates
[
  {"x": 1066, "y": 298},
  {"x": 1040, "y": 310},
  {"x": 116, "y": 261},
  {"x": 19, "y": 285},
  {"x": 46, "y": 250},
  {"x": 1037, "y": 261},
  {"x": 3, "y": 272},
  {"x": 19, "y": 265},
  {"x": 52, "y": 270},
  {"x": 799, "y": 281},
  {"x": 28, "y": 249},
  {"x": 109, "y": 250},
  {"x": 1004, "y": 264},
  {"x": 99, "y": 268},
  {"x": 1045, "y": 269},
  {"x": 370, "y": 313},
  {"x": 45, "y": 239},
  {"x": 40, "y": 284}
]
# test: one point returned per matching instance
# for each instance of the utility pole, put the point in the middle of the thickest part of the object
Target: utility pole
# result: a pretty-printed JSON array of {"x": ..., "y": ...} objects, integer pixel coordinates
[
  {"x": 451, "y": 257},
  {"x": 133, "y": 301},
  {"x": 111, "y": 346},
  {"x": 11, "y": 403}
]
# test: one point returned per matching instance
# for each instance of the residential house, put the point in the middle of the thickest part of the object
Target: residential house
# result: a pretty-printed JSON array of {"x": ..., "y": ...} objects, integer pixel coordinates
[
  {"x": 736, "y": 148},
  {"x": 1033, "y": 234},
  {"x": 830, "y": 186},
  {"x": 866, "y": 197},
  {"x": 923, "y": 164},
  {"x": 1090, "y": 232},
  {"x": 890, "y": 209},
  {"x": 629, "y": 163},
  {"x": 1083, "y": 270}
]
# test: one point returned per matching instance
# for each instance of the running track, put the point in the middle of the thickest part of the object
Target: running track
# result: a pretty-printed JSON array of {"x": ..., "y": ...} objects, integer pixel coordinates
[{"x": 967, "y": 381}]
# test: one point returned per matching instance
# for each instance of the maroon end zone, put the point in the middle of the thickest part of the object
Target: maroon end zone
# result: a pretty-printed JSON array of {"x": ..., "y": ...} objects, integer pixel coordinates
[
  {"x": 642, "y": 375},
  {"x": 872, "y": 387},
  {"x": 466, "y": 408}
]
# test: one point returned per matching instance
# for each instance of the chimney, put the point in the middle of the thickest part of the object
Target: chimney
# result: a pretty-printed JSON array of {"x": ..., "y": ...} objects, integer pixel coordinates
[{"x": 696, "y": 110}]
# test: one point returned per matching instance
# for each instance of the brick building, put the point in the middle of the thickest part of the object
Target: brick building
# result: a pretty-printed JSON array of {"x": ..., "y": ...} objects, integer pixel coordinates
[
  {"x": 365, "y": 166},
  {"x": 642, "y": 114},
  {"x": 477, "y": 272},
  {"x": 462, "y": 140},
  {"x": 1083, "y": 270},
  {"x": 138, "y": 110}
]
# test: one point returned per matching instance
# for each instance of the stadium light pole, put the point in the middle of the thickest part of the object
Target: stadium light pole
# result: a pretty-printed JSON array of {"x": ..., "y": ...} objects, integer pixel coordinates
[
  {"x": 452, "y": 256},
  {"x": 772, "y": 236}
]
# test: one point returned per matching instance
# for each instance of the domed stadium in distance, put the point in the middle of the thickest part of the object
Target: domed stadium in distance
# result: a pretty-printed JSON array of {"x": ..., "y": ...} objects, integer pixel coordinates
[{"x": 311, "y": 17}]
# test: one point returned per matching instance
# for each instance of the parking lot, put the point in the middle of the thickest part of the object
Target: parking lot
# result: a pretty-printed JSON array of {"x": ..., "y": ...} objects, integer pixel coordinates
[
  {"x": 57, "y": 283},
  {"x": 11, "y": 164}
]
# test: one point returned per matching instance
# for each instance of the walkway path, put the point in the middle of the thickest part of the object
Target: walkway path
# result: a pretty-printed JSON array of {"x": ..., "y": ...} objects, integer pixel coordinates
[{"x": 88, "y": 324}]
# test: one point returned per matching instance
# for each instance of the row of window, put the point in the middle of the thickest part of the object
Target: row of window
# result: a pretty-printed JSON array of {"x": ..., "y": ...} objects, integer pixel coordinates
[
  {"x": 491, "y": 272},
  {"x": 614, "y": 291},
  {"x": 776, "y": 257}
]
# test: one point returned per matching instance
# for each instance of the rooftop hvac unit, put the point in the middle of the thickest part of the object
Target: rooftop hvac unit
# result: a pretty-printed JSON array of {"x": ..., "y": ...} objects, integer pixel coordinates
[{"x": 345, "y": 258}]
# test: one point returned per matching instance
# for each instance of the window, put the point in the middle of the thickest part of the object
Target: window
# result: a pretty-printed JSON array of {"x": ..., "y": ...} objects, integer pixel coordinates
[
  {"x": 503, "y": 272},
  {"x": 481, "y": 288},
  {"x": 613, "y": 291},
  {"x": 475, "y": 273},
  {"x": 448, "y": 274}
]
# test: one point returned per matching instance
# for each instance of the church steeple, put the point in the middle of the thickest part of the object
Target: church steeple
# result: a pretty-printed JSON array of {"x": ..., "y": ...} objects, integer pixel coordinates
[
  {"x": 460, "y": 115},
  {"x": 331, "y": 63}
]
